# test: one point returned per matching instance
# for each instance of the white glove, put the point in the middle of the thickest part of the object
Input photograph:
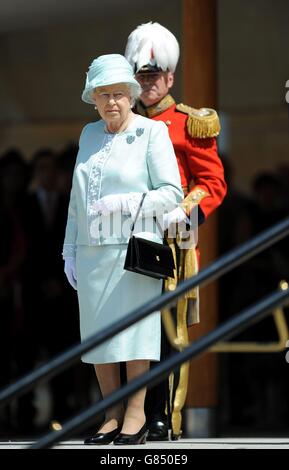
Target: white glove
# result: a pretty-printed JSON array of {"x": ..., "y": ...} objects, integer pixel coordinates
[
  {"x": 176, "y": 216},
  {"x": 70, "y": 271},
  {"x": 112, "y": 203}
]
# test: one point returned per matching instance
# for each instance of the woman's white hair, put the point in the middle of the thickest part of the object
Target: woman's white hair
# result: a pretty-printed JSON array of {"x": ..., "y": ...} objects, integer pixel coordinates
[{"x": 134, "y": 92}]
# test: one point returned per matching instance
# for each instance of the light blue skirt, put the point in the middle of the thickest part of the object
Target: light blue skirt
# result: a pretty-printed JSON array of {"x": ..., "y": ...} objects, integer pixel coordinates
[{"x": 107, "y": 293}]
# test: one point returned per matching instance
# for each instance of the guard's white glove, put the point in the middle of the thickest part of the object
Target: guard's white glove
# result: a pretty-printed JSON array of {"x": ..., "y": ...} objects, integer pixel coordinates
[
  {"x": 112, "y": 203},
  {"x": 176, "y": 216},
  {"x": 70, "y": 271}
]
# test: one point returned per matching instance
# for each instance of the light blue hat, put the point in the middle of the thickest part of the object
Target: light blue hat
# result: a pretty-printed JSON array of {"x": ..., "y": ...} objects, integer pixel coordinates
[{"x": 108, "y": 70}]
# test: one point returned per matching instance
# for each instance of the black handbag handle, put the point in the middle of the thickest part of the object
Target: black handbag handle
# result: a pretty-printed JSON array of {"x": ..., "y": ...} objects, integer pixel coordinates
[{"x": 137, "y": 214}]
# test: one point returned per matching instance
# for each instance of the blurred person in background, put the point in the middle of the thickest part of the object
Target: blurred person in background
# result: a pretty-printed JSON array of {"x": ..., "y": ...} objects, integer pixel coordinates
[
  {"x": 16, "y": 354},
  {"x": 45, "y": 283}
]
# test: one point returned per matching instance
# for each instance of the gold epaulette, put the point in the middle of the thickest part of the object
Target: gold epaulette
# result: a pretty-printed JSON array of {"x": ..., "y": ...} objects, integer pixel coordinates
[{"x": 201, "y": 123}]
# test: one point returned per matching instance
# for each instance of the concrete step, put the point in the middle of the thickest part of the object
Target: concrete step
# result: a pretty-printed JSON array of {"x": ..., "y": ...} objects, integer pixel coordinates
[{"x": 212, "y": 443}]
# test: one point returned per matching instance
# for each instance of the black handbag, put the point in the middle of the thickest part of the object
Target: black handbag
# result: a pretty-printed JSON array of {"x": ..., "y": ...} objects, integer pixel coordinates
[{"x": 147, "y": 257}]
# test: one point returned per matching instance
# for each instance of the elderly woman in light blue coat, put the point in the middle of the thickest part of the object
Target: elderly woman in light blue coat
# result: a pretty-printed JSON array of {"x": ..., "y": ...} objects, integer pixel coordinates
[{"x": 120, "y": 157}]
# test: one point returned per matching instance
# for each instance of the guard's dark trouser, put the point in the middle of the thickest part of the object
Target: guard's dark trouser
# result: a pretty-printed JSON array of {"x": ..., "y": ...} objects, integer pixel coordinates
[{"x": 157, "y": 403}]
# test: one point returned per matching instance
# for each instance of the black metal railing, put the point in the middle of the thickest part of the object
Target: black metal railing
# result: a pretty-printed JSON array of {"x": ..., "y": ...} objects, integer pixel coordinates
[
  {"x": 221, "y": 266},
  {"x": 224, "y": 264},
  {"x": 225, "y": 331}
]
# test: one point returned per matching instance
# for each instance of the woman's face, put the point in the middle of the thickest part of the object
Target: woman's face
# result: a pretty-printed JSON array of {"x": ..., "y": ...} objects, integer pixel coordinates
[{"x": 113, "y": 102}]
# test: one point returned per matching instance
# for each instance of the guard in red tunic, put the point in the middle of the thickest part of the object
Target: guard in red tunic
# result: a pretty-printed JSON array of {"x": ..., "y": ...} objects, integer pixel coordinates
[{"x": 153, "y": 51}]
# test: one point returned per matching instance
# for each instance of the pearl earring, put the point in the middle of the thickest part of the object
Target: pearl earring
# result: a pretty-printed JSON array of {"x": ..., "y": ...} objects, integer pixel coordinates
[{"x": 95, "y": 107}]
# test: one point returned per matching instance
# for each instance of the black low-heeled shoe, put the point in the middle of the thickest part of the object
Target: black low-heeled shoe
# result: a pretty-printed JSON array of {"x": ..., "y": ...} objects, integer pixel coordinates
[
  {"x": 102, "y": 438},
  {"x": 132, "y": 439}
]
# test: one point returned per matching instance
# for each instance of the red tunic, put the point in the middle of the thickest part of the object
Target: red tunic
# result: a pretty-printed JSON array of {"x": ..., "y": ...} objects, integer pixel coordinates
[{"x": 199, "y": 164}]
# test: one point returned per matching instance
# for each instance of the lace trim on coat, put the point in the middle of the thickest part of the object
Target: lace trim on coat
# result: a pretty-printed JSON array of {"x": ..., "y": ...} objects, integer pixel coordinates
[{"x": 94, "y": 186}]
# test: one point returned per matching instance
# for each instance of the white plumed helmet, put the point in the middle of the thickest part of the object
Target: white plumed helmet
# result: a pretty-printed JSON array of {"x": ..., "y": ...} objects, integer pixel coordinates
[{"x": 153, "y": 47}]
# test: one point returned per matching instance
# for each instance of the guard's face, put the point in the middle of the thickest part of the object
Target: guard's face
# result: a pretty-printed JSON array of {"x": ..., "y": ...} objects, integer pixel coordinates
[{"x": 155, "y": 86}]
